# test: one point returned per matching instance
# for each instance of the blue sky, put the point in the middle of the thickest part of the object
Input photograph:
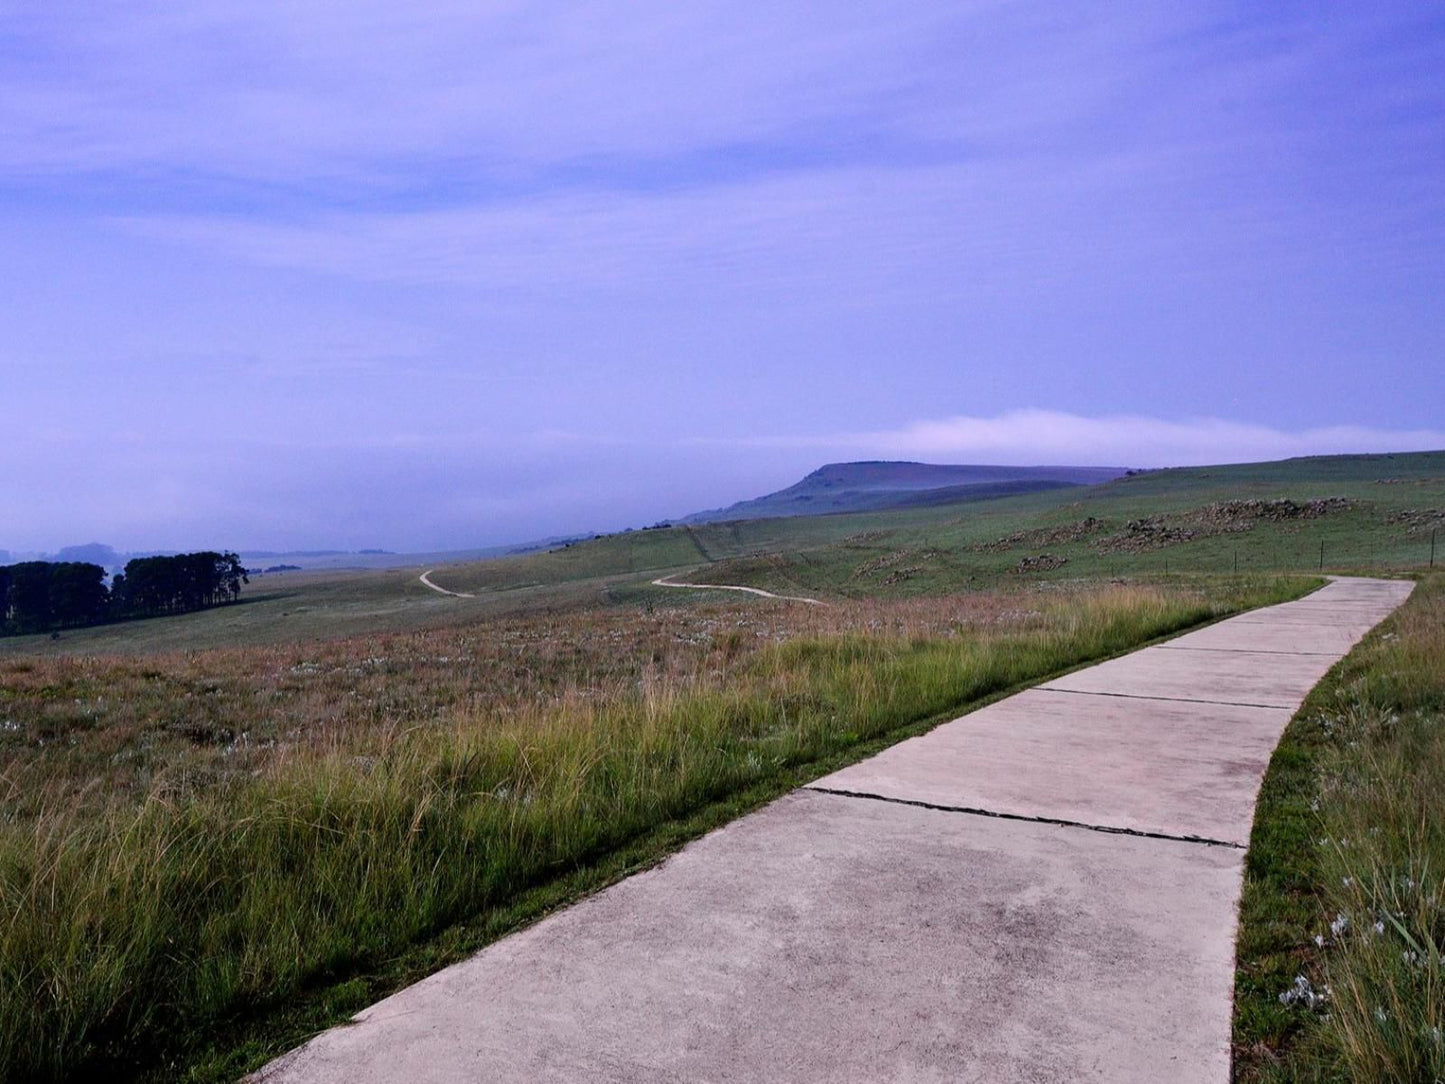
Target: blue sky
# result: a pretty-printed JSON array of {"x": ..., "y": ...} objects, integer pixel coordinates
[{"x": 448, "y": 274}]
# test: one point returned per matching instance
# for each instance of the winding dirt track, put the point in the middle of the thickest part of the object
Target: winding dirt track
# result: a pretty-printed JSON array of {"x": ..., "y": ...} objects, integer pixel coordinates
[
  {"x": 442, "y": 590},
  {"x": 661, "y": 581},
  {"x": 666, "y": 581}
]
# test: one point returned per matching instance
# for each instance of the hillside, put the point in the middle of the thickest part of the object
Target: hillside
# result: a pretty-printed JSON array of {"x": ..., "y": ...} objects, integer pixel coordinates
[
  {"x": 527, "y": 693},
  {"x": 1350, "y": 512},
  {"x": 1371, "y": 513},
  {"x": 875, "y": 485}
]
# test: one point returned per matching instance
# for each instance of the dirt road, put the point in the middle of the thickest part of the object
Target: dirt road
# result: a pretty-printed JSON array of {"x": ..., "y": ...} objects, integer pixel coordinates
[
  {"x": 425, "y": 578},
  {"x": 666, "y": 581}
]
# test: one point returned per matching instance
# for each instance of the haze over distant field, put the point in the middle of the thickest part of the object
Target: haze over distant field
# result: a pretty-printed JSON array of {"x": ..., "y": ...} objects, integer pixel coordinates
[{"x": 448, "y": 274}]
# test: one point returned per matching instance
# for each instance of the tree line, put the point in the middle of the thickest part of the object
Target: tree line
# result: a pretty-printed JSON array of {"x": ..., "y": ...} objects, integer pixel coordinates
[{"x": 42, "y": 596}]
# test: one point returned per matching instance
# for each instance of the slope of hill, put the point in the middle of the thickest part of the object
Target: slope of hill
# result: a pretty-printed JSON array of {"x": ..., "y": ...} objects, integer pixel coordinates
[
  {"x": 1374, "y": 513},
  {"x": 874, "y": 485},
  {"x": 1371, "y": 513}
]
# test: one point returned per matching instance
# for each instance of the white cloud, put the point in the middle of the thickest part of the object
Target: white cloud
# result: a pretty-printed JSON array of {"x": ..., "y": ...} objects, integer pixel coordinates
[
  {"x": 1052, "y": 437},
  {"x": 398, "y": 225},
  {"x": 431, "y": 491}
]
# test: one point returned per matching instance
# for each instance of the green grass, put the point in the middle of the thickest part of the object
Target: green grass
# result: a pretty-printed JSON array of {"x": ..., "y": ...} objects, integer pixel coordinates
[
  {"x": 403, "y": 775},
  {"x": 138, "y": 929},
  {"x": 1351, "y": 823},
  {"x": 301, "y": 607},
  {"x": 891, "y": 554},
  {"x": 979, "y": 545}
]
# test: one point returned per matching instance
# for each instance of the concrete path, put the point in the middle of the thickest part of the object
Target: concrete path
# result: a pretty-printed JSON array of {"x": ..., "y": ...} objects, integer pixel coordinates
[{"x": 1041, "y": 891}]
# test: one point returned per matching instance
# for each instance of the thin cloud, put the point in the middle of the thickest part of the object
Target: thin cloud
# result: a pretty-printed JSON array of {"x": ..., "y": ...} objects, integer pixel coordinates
[
  {"x": 288, "y": 91},
  {"x": 457, "y": 273},
  {"x": 1053, "y": 437},
  {"x": 422, "y": 492}
]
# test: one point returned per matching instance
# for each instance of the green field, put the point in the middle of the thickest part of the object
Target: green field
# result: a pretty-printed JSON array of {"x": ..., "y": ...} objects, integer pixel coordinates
[
  {"x": 1382, "y": 513},
  {"x": 424, "y": 771},
  {"x": 208, "y": 853},
  {"x": 1378, "y": 515}
]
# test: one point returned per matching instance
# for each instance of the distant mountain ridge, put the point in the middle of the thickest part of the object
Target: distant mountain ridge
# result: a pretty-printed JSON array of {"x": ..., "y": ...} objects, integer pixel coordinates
[{"x": 874, "y": 485}]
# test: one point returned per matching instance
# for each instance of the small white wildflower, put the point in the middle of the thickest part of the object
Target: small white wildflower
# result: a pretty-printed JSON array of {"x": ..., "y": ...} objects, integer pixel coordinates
[
  {"x": 1378, "y": 927},
  {"x": 1347, "y": 881},
  {"x": 1303, "y": 993},
  {"x": 1412, "y": 958},
  {"x": 1319, "y": 940},
  {"x": 1340, "y": 925},
  {"x": 1380, "y": 1015}
]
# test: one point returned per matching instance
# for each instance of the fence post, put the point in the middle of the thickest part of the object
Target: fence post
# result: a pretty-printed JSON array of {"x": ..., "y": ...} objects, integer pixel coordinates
[
  {"x": 1432, "y": 547},
  {"x": 1322, "y": 554}
]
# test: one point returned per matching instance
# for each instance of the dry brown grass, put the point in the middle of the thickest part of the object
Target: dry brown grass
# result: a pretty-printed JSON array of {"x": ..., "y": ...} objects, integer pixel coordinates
[
  {"x": 107, "y": 729},
  {"x": 190, "y": 836}
]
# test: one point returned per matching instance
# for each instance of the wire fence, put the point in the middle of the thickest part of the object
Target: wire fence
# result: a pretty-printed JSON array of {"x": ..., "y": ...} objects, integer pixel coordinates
[{"x": 1287, "y": 555}]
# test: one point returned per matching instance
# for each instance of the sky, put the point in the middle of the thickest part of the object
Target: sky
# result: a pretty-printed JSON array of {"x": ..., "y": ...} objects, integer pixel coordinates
[{"x": 445, "y": 274}]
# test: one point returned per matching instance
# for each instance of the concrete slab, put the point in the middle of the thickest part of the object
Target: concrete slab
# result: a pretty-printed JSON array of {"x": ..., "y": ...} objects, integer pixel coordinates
[
  {"x": 836, "y": 939},
  {"x": 1330, "y": 621},
  {"x": 1351, "y": 616},
  {"x": 1372, "y": 598},
  {"x": 1178, "y": 769},
  {"x": 1365, "y": 587},
  {"x": 1297, "y": 637},
  {"x": 1325, "y": 614},
  {"x": 1243, "y": 677}
]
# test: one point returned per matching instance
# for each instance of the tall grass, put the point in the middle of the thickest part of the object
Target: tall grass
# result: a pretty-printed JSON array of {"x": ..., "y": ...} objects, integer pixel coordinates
[
  {"x": 130, "y": 924},
  {"x": 1384, "y": 873},
  {"x": 1343, "y": 931}
]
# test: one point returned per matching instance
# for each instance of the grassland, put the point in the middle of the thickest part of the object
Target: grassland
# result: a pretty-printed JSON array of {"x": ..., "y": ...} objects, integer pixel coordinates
[
  {"x": 1350, "y": 513},
  {"x": 195, "y": 839},
  {"x": 1343, "y": 917},
  {"x": 222, "y": 830},
  {"x": 1380, "y": 514}
]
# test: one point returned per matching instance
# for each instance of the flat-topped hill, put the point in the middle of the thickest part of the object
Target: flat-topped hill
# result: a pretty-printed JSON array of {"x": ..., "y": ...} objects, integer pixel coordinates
[{"x": 874, "y": 485}]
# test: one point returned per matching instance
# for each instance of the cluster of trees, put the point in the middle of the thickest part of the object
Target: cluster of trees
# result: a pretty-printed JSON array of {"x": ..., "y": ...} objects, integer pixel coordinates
[
  {"x": 188, "y": 581},
  {"x": 38, "y": 596}
]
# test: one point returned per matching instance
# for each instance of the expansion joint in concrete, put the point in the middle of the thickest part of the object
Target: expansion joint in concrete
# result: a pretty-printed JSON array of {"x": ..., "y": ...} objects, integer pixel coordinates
[
  {"x": 1168, "y": 699},
  {"x": 1057, "y": 821},
  {"x": 1249, "y": 651}
]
